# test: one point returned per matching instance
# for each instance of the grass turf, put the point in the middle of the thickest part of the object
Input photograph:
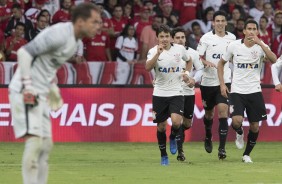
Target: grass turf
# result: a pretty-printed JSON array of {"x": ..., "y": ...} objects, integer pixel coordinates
[{"x": 124, "y": 163}]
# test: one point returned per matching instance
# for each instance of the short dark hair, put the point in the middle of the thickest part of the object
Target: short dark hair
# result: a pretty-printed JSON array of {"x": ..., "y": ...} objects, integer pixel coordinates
[
  {"x": 20, "y": 24},
  {"x": 17, "y": 6},
  {"x": 219, "y": 13},
  {"x": 177, "y": 30},
  {"x": 251, "y": 22},
  {"x": 195, "y": 23},
  {"x": 265, "y": 18},
  {"x": 163, "y": 28},
  {"x": 83, "y": 11}
]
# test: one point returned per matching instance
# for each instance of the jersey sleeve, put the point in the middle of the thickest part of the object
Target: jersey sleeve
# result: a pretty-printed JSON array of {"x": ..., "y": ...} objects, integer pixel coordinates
[
  {"x": 48, "y": 40},
  {"x": 197, "y": 62},
  {"x": 229, "y": 52},
  {"x": 202, "y": 46},
  {"x": 119, "y": 42},
  {"x": 275, "y": 70}
]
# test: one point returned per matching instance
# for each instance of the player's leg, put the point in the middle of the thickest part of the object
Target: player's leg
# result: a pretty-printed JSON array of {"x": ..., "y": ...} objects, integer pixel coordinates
[
  {"x": 209, "y": 101},
  {"x": 222, "y": 108},
  {"x": 237, "y": 109},
  {"x": 28, "y": 125},
  {"x": 189, "y": 102},
  {"x": 176, "y": 109},
  {"x": 47, "y": 145},
  {"x": 256, "y": 112},
  {"x": 160, "y": 115}
]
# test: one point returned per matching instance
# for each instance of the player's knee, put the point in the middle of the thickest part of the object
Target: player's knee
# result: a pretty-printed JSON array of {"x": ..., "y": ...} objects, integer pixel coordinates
[
  {"x": 237, "y": 121},
  {"x": 162, "y": 126},
  {"x": 254, "y": 127},
  {"x": 33, "y": 147},
  {"x": 47, "y": 146},
  {"x": 222, "y": 114},
  {"x": 187, "y": 123}
]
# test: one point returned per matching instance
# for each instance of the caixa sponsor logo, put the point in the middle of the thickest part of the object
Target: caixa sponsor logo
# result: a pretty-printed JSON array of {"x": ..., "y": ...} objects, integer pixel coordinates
[
  {"x": 216, "y": 56},
  {"x": 129, "y": 114}
]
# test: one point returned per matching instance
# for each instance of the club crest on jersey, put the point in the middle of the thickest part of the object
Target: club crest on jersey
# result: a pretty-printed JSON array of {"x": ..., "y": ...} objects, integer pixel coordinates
[
  {"x": 177, "y": 57},
  {"x": 254, "y": 54},
  {"x": 247, "y": 66},
  {"x": 169, "y": 69}
]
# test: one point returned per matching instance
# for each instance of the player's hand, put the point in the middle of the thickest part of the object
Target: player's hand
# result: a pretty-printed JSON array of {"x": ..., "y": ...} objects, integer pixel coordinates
[
  {"x": 254, "y": 39},
  {"x": 209, "y": 64},
  {"x": 191, "y": 82},
  {"x": 55, "y": 99},
  {"x": 29, "y": 94},
  {"x": 224, "y": 90},
  {"x": 278, "y": 87},
  {"x": 160, "y": 48}
]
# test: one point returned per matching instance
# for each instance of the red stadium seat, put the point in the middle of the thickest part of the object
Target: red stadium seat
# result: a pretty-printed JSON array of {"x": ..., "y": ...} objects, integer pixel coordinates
[
  {"x": 2, "y": 73},
  {"x": 62, "y": 75},
  {"x": 140, "y": 74},
  {"x": 83, "y": 75}
]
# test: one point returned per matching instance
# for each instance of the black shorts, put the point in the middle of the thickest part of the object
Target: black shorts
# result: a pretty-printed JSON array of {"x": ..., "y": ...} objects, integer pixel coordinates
[
  {"x": 189, "y": 102},
  {"x": 211, "y": 96},
  {"x": 163, "y": 107},
  {"x": 253, "y": 104}
]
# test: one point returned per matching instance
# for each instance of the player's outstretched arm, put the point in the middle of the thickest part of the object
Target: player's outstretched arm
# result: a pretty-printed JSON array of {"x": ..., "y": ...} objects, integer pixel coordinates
[
  {"x": 220, "y": 66},
  {"x": 276, "y": 68}
]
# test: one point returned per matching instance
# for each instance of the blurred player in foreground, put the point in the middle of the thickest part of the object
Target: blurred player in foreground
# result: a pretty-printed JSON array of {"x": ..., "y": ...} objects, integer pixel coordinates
[{"x": 32, "y": 87}]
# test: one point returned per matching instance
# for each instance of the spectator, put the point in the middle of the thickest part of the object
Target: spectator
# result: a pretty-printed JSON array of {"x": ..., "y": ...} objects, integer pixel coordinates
[
  {"x": 151, "y": 6},
  {"x": 187, "y": 10},
  {"x": 47, "y": 14},
  {"x": 137, "y": 6},
  {"x": 142, "y": 22},
  {"x": 119, "y": 23},
  {"x": 148, "y": 37},
  {"x": 108, "y": 26},
  {"x": 33, "y": 12},
  {"x": 13, "y": 43},
  {"x": 5, "y": 14},
  {"x": 2, "y": 46},
  {"x": 196, "y": 35},
  {"x": 63, "y": 15},
  {"x": 243, "y": 5},
  {"x": 268, "y": 12},
  {"x": 232, "y": 23},
  {"x": 263, "y": 34},
  {"x": 128, "y": 12},
  {"x": 170, "y": 16},
  {"x": 206, "y": 23},
  {"x": 274, "y": 29},
  {"x": 104, "y": 13},
  {"x": 257, "y": 11},
  {"x": 229, "y": 6},
  {"x": 215, "y": 4},
  {"x": 98, "y": 47},
  {"x": 41, "y": 24},
  {"x": 18, "y": 17},
  {"x": 127, "y": 45},
  {"x": 110, "y": 5},
  {"x": 238, "y": 32}
]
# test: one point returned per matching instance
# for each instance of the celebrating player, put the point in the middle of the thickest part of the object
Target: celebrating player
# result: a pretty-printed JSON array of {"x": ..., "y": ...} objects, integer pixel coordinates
[
  {"x": 211, "y": 47},
  {"x": 248, "y": 55},
  {"x": 168, "y": 100}
]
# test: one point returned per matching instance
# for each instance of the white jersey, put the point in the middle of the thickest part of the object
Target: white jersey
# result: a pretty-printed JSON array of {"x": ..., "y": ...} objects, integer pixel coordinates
[
  {"x": 168, "y": 69},
  {"x": 276, "y": 69},
  {"x": 247, "y": 64},
  {"x": 213, "y": 47},
  {"x": 197, "y": 64},
  {"x": 127, "y": 48},
  {"x": 50, "y": 49}
]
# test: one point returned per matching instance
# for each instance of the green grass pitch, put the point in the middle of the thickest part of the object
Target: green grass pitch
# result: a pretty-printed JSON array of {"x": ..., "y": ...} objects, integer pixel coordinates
[{"x": 134, "y": 163}]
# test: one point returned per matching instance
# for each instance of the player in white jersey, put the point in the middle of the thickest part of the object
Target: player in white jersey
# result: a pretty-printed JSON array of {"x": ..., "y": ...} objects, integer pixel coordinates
[
  {"x": 179, "y": 37},
  {"x": 168, "y": 100},
  {"x": 248, "y": 56},
  {"x": 32, "y": 87},
  {"x": 211, "y": 47},
  {"x": 276, "y": 70}
]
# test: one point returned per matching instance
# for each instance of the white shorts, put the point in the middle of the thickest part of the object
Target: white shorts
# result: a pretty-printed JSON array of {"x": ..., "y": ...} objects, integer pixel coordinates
[{"x": 30, "y": 120}]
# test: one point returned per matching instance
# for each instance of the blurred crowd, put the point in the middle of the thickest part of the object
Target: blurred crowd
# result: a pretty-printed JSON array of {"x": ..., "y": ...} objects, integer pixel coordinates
[{"x": 128, "y": 26}]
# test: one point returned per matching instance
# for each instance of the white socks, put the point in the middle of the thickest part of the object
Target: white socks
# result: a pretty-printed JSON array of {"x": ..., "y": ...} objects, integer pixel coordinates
[{"x": 43, "y": 160}]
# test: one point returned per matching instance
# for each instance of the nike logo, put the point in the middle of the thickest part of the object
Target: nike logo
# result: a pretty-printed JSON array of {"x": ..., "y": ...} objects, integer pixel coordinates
[
  {"x": 214, "y": 45},
  {"x": 239, "y": 55},
  {"x": 263, "y": 116},
  {"x": 160, "y": 59},
  {"x": 181, "y": 111}
]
